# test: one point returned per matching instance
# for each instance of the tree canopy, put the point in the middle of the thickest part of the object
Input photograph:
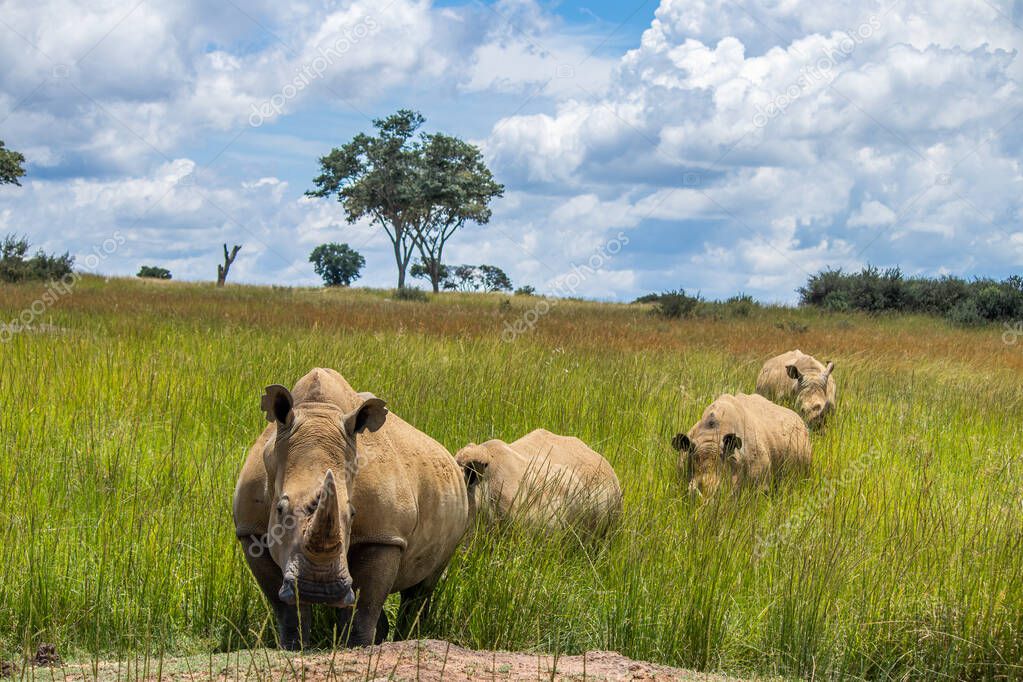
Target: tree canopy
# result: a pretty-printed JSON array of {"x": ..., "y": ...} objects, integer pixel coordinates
[
  {"x": 153, "y": 272},
  {"x": 338, "y": 264},
  {"x": 10, "y": 166},
  {"x": 457, "y": 187},
  {"x": 419, "y": 188}
]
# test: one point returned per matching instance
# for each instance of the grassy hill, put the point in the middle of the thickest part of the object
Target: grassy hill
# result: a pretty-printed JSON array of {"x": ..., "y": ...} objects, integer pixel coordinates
[{"x": 128, "y": 406}]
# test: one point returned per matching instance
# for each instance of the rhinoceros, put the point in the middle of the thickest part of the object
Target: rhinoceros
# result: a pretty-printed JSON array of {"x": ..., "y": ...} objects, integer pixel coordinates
[
  {"x": 744, "y": 438},
  {"x": 796, "y": 375},
  {"x": 342, "y": 503},
  {"x": 542, "y": 480}
]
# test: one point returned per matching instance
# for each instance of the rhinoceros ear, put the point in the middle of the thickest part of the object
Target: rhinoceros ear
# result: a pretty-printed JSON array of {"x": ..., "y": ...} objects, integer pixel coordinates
[
  {"x": 277, "y": 403},
  {"x": 729, "y": 444},
  {"x": 371, "y": 415},
  {"x": 681, "y": 442},
  {"x": 474, "y": 471},
  {"x": 793, "y": 372}
]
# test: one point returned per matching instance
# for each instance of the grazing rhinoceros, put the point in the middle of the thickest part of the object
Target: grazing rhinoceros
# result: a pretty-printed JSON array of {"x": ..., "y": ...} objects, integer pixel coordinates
[
  {"x": 745, "y": 437},
  {"x": 341, "y": 503},
  {"x": 543, "y": 480},
  {"x": 798, "y": 375}
]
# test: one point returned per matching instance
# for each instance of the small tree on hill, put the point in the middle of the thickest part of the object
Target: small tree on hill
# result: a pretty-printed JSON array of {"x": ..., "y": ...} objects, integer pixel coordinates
[
  {"x": 338, "y": 264},
  {"x": 153, "y": 272},
  {"x": 10, "y": 166}
]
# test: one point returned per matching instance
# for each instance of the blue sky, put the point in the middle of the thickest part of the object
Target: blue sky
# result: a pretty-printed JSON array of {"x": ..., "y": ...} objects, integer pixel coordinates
[{"x": 732, "y": 147}]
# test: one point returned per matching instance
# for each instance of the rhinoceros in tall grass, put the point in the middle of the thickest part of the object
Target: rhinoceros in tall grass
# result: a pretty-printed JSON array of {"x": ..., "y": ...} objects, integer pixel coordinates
[
  {"x": 797, "y": 376},
  {"x": 342, "y": 503},
  {"x": 745, "y": 439},
  {"x": 542, "y": 480}
]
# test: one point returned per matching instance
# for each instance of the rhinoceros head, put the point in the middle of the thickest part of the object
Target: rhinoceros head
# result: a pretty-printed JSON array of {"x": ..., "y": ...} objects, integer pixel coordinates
[
  {"x": 812, "y": 396},
  {"x": 707, "y": 454},
  {"x": 475, "y": 461},
  {"x": 311, "y": 464}
]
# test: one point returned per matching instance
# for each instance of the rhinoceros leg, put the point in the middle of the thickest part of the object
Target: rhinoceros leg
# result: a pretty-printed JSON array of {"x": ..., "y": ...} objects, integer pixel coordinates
[
  {"x": 374, "y": 569},
  {"x": 344, "y": 625},
  {"x": 414, "y": 607},
  {"x": 293, "y": 623}
]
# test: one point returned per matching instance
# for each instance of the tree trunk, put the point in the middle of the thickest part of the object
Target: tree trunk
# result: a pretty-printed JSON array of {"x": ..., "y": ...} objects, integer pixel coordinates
[
  {"x": 399, "y": 237},
  {"x": 439, "y": 263},
  {"x": 228, "y": 260},
  {"x": 435, "y": 275}
]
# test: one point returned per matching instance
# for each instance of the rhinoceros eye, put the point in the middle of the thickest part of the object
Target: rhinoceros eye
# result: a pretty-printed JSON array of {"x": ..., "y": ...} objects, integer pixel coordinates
[
  {"x": 311, "y": 507},
  {"x": 351, "y": 511}
]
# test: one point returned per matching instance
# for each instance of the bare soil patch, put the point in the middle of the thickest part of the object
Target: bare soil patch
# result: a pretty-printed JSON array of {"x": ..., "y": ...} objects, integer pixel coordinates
[{"x": 427, "y": 660}]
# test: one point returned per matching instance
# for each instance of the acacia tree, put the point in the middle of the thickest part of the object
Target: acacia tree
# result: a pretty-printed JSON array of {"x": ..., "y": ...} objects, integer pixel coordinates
[
  {"x": 10, "y": 166},
  {"x": 419, "y": 190},
  {"x": 457, "y": 187},
  {"x": 376, "y": 177}
]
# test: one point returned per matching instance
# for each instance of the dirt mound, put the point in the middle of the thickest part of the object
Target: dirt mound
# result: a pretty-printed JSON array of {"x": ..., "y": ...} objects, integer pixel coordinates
[
  {"x": 437, "y": 660},
  {"x": 428, "y": 660}
]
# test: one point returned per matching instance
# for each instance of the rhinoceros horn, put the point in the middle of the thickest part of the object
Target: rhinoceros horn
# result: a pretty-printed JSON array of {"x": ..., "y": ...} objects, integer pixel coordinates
[{"x": 324, "y": 529}]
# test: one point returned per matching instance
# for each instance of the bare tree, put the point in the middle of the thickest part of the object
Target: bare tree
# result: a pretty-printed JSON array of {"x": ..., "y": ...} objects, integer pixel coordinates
[{"x": 228, "y": 259}]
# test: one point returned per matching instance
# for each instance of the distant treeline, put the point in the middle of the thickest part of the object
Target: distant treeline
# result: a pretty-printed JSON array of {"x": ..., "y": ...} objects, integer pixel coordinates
[
  {"x": 17, "y": 266},
  {"x": 678, "y": 303},
  {"x": 875, "y": 290}
]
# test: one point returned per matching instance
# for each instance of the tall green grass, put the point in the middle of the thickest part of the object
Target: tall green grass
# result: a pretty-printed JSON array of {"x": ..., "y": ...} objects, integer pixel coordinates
[{"x": 900, "y": 556}]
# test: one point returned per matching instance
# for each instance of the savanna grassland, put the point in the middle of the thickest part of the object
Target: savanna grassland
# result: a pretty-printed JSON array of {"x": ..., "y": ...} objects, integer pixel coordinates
[{"x": 128, "y": 408}]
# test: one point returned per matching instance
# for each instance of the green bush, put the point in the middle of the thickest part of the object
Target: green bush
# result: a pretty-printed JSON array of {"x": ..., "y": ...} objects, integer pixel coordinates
[
  {"x": 525, "y": 290},
  {"x": 741, "y": 305},
  {"x": 794, "y": 326},
  {"x": 153, "y": 272},
  {"x": 837, "y": 301},
  {"x": 966, "y": 314},
  {"x": 15, "y": 267},
  {"x": 677, "y": 304},
  {"x": 999, "y": 302},
  {"x": 410, "y": 294}
]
